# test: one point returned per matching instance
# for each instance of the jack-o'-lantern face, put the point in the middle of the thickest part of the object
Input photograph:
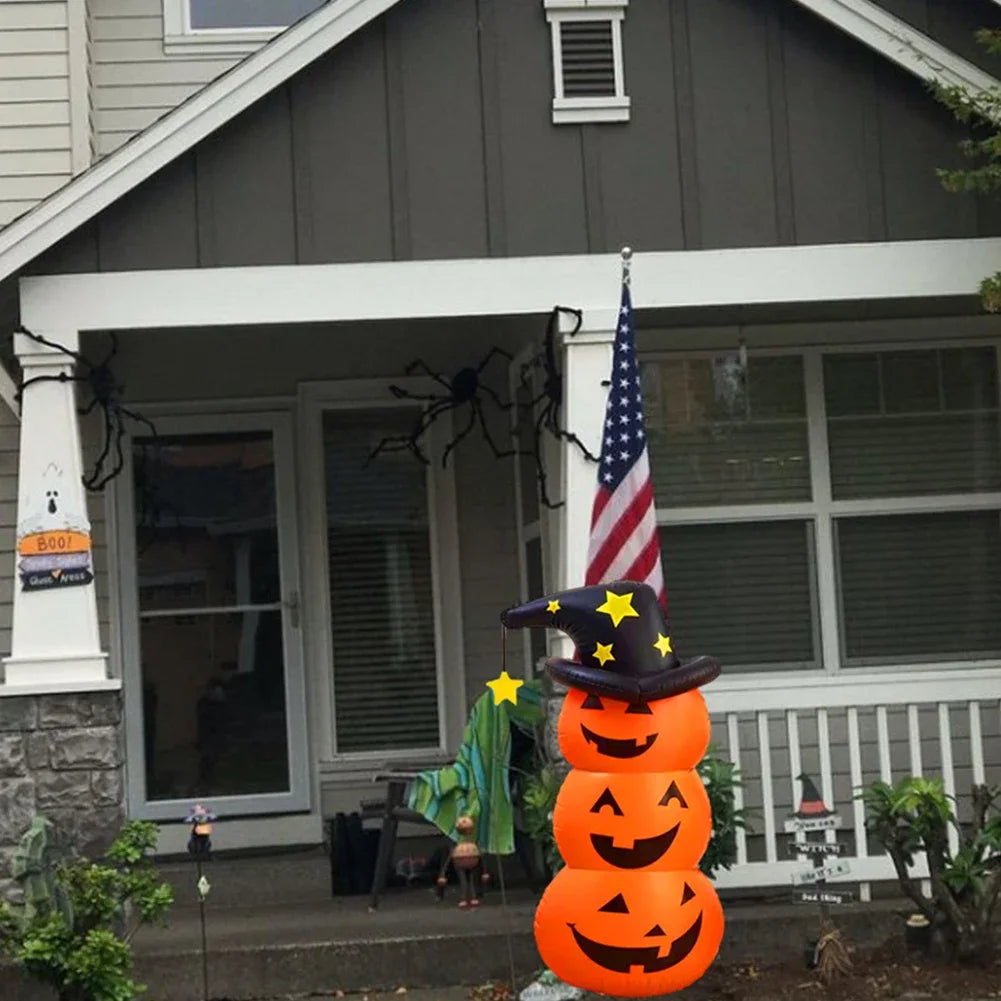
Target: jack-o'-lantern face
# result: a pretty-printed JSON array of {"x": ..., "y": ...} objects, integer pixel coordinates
[
  {"x": 629, "y": 934},
  {"x": 653, "y": 821},
  {"x": 607, "y": 735}
]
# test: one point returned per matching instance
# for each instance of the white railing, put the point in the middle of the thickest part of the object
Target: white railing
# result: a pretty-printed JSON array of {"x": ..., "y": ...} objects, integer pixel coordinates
[{"x": 958, "y": 694}]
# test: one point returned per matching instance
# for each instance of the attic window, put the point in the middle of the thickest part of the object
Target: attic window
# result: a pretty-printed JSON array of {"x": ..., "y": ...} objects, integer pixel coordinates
[{"x": 588, "y": 75}]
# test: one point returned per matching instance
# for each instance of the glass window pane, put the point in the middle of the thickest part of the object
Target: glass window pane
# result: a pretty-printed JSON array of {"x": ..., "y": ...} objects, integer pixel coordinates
[
  {"x": 936, "y": 431},
  {"x": 920, "y": 587},
  {"x": 743, "y": 592},
  {"x": 214, "y": 705},
  {"x": 852, "y": 384},
  {"x": 249, "y": 13},
  {"x": 206, "y": 532},
  {"x": 717, "y": 436},
  {"x": 381, "y": 605}
]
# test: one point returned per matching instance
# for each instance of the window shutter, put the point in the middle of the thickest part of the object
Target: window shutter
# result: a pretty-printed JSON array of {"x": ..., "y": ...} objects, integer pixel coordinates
[
  {"x": 588, "y": 58},
  {"x": 920, "y": 586},
  {"x": 742, "y": 592},
  {"x": 381, "y": 587}
]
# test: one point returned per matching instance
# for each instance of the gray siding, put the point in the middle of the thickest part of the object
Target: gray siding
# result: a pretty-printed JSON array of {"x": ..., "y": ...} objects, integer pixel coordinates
[{"x": 754, "y": 123}]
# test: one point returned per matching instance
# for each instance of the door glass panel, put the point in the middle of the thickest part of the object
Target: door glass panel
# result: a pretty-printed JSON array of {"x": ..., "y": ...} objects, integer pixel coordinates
[{"x": 211, "y": 618}]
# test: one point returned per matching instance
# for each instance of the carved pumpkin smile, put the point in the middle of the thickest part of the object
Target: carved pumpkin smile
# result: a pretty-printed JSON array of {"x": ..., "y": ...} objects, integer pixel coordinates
[
  {"x": 621, "y": 959},
  {"x": 644, "y": 852},
  {"x": 613, "y": 748}
]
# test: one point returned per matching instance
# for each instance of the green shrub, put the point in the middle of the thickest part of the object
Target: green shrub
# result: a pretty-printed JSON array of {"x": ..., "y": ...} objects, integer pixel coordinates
[
  {"x": 721, "y": 779},
  {"x": 74, "y": 927},
  {"x": 915, "y": 816}
]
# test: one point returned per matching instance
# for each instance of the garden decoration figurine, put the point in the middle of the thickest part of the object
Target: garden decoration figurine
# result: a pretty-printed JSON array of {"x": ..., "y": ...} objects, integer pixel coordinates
[
  {"x": 630, "y": 915},
  {"x": 467, "y": 861},
  {"x": 200, "y": 848}
]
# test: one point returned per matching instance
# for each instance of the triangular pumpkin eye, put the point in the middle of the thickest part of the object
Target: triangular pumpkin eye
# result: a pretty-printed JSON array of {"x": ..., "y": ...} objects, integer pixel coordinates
[
  {"x": 687, "y": 894},
  {"x": 639, "y": 709},
  {"x": 673, "y": 792},
  {"x": 654, "y": 931},
  {"x": 617, "y": 905},
  {"x": 591, "y": 702},
  {"x": 607, "y": 799}
]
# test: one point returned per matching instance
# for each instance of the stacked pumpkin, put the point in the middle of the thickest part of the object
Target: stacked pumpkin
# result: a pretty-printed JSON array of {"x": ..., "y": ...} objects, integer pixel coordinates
[{"x": 630, "y": 914}]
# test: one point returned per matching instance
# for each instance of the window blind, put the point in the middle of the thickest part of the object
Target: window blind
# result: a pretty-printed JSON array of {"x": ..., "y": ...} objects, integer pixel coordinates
[
  {"x": 381, "y": 587},
  {"x": 719, "y": 436},
  {"x": 920, "y": 586},
  {"x": 911, "y": 423},
  {"x": 743, "y": 592}
]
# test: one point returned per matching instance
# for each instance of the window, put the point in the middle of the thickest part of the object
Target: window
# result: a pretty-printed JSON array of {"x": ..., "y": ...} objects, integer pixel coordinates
[
  {"x": 880, "y": 488},
  {"x": 228, "y": 27},
  {"x": 385, "y": 669},
  {"x": 588, "y": 75}
]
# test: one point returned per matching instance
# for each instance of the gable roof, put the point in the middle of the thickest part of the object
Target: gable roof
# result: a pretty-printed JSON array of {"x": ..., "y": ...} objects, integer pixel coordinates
[{"x": 251, "y": 79}]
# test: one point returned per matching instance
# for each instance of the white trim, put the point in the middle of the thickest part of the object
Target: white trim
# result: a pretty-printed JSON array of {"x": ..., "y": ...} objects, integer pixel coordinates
[
  {"x": 60, "y": 687},
  {"x": 901, "y": 44},
  {"x": 125, "y": 598},
  {"x": 323, "y": 293},
  {"x": 576, "y": 110},
  {"x": 79, "y": 85},
  {"x": 373, "y": 394},
  {"x": 175, "y": 133}
]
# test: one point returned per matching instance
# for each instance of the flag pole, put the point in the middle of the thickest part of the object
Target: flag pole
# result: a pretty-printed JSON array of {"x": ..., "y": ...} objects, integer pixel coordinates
[{"x": 627, "y": 264}]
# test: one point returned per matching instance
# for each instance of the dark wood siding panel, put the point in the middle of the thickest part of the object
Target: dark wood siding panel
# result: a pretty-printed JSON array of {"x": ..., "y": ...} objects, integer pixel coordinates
[
  {"x": 442, "y": 144},
  {"x": 245, "y": 192},
  {"x": 733, "y": 122},
  {"x": 342, "y": 154},
  {"x": 542, "y": 164},
  {"x": 916, "y": 137},
  {"x": 640, "y": 178},
  {"x": 829, "y": 84},
  {"x": 155, "y": 226},
  {"x": 74, "y": 254}
]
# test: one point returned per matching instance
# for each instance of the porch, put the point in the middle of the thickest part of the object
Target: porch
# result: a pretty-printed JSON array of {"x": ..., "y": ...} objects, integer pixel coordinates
[{"x": 290, "y": 358}]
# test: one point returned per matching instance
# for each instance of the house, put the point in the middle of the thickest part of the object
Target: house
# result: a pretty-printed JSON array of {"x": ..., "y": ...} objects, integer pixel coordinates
[{"x": 275, "y": 223}]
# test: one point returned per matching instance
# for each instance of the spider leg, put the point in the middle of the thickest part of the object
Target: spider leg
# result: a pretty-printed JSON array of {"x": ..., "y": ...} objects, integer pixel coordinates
[
  {"x": 62, "y": 377},
  {"x": 553, "y": 424},
  {"x": 404, "y": 394},
  {"x": 493, "y": 395},
  {"x": 119, "y": 453},
  {"x": 419, "y": 365},
  {"x": 139, "y": 419},
  {"x": 498, "y": 454},
  {"x": 399, "y": 443},
  {"x": 462, "y": 434},
  {"x": 39, "y": 339},
  {"x": 540, "y": 469},
  {"x": 112, "y": 352},
  {"x": 490, "y": 355},
  {"x": 95, "y": 476}
]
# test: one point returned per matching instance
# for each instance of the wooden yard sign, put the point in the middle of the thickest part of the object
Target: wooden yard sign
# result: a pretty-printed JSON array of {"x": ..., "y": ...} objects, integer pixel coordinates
[{"x": 813, "y": 815}]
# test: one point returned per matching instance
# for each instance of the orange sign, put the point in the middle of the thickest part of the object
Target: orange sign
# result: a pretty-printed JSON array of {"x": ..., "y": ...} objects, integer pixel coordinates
[{"x": 54, "y": 542}]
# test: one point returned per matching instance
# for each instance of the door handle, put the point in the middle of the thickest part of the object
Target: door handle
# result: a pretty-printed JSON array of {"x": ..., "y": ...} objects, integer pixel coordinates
[{"x": 292, "y": 604}]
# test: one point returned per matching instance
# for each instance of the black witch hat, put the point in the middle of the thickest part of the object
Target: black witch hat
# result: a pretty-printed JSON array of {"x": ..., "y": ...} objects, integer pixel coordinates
[
  {"x": 622, "y": 638},
  {"x": 812, "y": 803}
]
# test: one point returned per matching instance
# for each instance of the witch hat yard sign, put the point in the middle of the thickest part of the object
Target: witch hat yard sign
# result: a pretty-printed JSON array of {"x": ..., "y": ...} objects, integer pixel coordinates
[{"x": 812, "y": 803}]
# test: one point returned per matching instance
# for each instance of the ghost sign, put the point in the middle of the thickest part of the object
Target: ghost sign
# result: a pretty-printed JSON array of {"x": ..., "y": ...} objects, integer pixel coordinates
[{"x": 53, "y": 544}]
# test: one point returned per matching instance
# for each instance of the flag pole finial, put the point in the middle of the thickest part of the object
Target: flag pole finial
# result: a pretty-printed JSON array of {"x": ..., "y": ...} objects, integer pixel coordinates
[{"x": 627, "y": 263}]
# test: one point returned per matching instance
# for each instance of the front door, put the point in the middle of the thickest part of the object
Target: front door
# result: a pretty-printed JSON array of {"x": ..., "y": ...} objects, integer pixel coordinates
[{"x": 210, "y": 630}]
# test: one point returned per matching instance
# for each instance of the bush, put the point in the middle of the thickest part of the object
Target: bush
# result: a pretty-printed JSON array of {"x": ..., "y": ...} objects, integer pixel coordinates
[
  {"x": 74, "y": 927},
  {"x": 916, "y": 815}
]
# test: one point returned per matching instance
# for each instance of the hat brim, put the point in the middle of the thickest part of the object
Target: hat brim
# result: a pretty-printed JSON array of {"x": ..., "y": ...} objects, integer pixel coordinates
[{"x": 660, "y": 685}]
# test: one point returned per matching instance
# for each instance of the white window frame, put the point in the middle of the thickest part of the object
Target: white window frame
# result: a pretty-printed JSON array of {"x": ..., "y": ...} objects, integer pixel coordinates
[
  {"x": 181, "y": 39},
  {"x": 823, "y": 510},
  {"x": 315, "y": 398},
  {"x": 577, "y": 110}
]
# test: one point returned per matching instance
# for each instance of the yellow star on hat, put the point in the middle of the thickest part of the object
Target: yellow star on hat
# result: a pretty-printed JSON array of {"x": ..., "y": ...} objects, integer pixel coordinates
[
  {"x": 505, "y": 688},
  {"x": 603, "y": 653},
  {"x": 618, "y": 607},
  {"x": 663, "y": 644},
  {"x": 553, "y": 607}
]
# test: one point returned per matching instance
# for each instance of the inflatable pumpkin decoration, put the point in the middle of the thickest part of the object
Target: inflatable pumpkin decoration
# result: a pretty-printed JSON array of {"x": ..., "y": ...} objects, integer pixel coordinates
[{"x": 630, "y": 915}]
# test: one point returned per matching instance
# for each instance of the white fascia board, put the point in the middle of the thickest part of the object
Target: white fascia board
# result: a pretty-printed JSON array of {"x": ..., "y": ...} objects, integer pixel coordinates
[
  {"x": 900, "y": 43},
  {"x": 325, "y": 293},
  {"x": 189, "y": 123}
]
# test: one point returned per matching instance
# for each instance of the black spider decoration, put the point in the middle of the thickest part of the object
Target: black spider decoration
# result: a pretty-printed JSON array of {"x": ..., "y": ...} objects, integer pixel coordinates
[
  {"x": 465, "y": 389},
  {"x": 551, "y": 399},
  {"x": 105, "y": 393}
]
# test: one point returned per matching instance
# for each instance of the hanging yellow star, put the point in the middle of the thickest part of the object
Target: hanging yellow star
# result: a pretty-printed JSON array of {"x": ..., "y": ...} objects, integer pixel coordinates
[
  {"x": 603, "y": 653},
  {"x": 663, "y": 644},
  {"x": 505, "y": 688},
  {"x": 553, "y": 607},
  {"x": 618, "y": 606}
]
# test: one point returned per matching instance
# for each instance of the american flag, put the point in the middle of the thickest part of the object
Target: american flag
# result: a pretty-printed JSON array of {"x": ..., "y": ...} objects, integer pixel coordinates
[{"x": 624, "y": 543}]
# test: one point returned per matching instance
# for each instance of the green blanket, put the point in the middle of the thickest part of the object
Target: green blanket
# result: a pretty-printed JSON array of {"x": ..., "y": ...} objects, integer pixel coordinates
[{"x": 478, "y": 783}]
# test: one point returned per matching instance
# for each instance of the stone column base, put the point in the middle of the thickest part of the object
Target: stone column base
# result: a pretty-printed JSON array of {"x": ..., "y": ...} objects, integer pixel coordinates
[{"x": 61, "y": 756}]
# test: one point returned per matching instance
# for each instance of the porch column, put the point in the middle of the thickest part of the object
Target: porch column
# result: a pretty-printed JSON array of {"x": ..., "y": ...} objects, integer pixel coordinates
[
  {"x": 55, "y": 644},
  {"x": 587, "y": 362}
]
